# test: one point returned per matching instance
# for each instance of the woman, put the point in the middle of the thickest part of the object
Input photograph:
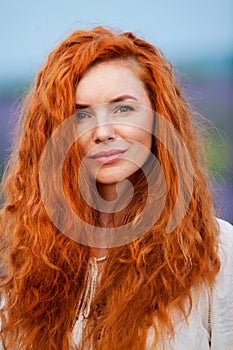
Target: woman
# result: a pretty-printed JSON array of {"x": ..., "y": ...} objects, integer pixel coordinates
[{"x": 109, "y": 239}]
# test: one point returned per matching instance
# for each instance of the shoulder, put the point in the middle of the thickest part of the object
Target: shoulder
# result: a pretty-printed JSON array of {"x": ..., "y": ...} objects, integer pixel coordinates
[
  {"x": 226, "y": 231},
  {"x": 225, "y": 245},
  {"x": 222, "y": 295},
  {"x": 225, "y": 275}
]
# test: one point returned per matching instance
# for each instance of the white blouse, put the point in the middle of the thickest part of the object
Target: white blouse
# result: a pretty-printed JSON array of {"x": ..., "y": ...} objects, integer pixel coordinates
[{"x": 210, "y": 323}]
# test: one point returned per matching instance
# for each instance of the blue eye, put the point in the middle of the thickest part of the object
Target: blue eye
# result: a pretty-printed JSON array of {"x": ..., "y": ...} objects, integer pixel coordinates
[
  {"x": 82, "y": 115},
  {"x": 124, "y": 109}
]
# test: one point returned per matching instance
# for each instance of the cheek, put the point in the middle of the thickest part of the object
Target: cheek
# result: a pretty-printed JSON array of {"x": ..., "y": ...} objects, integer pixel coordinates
[
  {"x": 145, "y": 140},
  {"x": 147, "y": 137},
  {"x": 143, "y": 131},
  {"x": 83, "y": 142},
  {"x": 141, "y": 136}
]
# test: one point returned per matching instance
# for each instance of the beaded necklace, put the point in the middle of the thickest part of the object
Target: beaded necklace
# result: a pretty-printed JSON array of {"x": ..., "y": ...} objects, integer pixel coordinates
[{"x": 87, "y": 296}]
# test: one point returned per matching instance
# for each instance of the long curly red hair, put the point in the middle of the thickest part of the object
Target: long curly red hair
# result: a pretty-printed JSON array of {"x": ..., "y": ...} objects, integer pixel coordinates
[{"x": 43, "y": 271}]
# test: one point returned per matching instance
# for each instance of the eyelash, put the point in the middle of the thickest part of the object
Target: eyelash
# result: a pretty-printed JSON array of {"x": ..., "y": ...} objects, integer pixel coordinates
[
  {"x": 118, "y": 110},
  {"x": 78, "y": 114},
  {"x": 129, "y": 108}
]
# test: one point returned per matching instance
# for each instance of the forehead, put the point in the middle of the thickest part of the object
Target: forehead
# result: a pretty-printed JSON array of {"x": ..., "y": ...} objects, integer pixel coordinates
[{"x": 108, "y": 80}]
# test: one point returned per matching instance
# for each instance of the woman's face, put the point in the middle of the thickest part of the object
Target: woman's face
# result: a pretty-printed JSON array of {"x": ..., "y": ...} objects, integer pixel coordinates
[{"x": 115, "y": 121}]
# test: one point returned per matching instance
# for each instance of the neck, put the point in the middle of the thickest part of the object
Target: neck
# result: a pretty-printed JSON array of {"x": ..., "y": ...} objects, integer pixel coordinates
[
  {"x": 116, "y": 196},
  {"x": 108, "y": 192}
]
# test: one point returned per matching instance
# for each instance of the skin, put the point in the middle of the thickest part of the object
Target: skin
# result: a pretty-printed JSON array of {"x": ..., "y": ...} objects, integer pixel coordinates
[
  {"x": 118, "y": 118},
  {"x": 114, "y": 114}
]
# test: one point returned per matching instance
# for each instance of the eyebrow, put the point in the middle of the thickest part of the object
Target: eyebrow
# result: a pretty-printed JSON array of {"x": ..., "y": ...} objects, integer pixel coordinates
[{"x": 117, "y": 99}]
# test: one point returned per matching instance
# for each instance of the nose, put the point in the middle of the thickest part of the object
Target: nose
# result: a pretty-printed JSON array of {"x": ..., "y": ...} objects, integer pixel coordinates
[{"x": 104, "y": 132}]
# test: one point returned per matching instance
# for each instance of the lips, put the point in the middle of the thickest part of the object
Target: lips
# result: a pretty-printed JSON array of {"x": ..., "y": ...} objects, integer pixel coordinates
[{"x": 108, "y": 157}]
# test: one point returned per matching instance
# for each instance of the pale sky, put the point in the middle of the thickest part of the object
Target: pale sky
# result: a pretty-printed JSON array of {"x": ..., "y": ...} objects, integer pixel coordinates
[{"x": 184, "y": 30}]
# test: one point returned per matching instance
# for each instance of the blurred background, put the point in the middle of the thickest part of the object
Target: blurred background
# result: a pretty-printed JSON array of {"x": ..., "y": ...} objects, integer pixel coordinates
[{"x": 196, "y": 36}]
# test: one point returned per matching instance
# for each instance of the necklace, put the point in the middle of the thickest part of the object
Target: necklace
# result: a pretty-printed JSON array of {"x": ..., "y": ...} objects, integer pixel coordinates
[
  {"x": 102, "y": 258},
  {"x": 87, "y": 296}
]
